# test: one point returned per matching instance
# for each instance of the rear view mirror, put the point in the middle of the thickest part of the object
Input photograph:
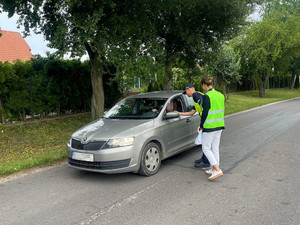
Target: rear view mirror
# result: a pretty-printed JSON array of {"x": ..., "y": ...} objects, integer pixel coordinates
[{"x": 171, "y": 115}]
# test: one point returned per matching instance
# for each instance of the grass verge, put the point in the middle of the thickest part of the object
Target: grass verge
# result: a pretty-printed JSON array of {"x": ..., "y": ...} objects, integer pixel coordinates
[
  {"x": 29, "y": 145},
  {"x": 237, "y": 102}
]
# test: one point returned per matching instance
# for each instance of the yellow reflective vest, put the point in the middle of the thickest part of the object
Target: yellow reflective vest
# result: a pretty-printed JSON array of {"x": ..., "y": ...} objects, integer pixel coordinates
[
  {"x": 215, "y": 117},
  {"x": 198, "y": 107}
]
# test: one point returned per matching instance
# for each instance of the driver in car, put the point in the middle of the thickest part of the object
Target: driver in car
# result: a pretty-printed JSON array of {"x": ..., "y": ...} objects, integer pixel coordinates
[{"x": 171, "y": 107}]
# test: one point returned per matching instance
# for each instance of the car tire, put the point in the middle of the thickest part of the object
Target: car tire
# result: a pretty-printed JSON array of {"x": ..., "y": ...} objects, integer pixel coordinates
[{"x": 150, "y": 159}]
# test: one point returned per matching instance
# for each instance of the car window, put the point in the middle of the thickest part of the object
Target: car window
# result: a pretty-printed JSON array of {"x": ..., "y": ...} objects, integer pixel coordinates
[
  {"x": 190, "y": 102},
  {"x": 136, "y": 108},
  {"x": 175, "y": 105}
]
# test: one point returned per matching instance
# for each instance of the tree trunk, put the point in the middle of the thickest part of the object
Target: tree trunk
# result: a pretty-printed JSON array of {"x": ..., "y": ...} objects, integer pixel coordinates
[
  {"x": 97, "y": 101},
  {"x": 261, "y": 90},
  {"x": 262, "y": 85},
  {"x": 168, "y": 66},
  {"x": 58, "y": 110},
  {"x": 224, "y": 88},
  {"x": 3, "y": 119},
  {"x": 24, "y": 114},
  {"x": 293, "y": 80},
  {"x": 20, "y": 116}
]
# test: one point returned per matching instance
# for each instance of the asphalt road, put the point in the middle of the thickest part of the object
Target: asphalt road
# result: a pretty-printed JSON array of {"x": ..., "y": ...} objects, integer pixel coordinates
[{"x": 260, "y": 155}]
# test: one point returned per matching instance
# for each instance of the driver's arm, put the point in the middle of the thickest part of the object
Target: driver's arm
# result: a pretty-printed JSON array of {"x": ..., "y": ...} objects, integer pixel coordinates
[{"x": 190, "y": 113}]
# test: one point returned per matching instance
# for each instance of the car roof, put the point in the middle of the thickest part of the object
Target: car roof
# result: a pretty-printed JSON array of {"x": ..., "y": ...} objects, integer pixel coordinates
[{"x": 157, "y": 94}]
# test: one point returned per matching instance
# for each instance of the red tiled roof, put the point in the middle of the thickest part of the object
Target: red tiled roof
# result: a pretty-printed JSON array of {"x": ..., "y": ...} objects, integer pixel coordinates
[{"x": 13, "y": 47}]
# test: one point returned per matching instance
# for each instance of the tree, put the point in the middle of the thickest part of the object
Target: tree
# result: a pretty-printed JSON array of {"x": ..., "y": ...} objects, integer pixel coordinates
[
  {"x": 283, "y": 10},
  {"x": 186, "y": 30},
  {"x": 143, "y": 68},
  {"x": 267, "y": 47},
  {"x": 80, "y": 26},
  {"x": 226, "y": 66},
  {"x": 111, "y": 29}
]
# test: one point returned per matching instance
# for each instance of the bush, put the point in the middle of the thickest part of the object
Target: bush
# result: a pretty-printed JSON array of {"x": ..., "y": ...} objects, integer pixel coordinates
[{"x": 45, "y": 85}]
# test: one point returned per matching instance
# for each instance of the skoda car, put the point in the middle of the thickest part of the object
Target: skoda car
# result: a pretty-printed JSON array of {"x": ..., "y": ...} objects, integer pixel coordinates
[{"x": 135, "y": 135}]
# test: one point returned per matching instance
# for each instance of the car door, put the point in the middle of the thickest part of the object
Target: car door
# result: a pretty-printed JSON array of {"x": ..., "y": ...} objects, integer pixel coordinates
[{"x": 178, "y": 132}]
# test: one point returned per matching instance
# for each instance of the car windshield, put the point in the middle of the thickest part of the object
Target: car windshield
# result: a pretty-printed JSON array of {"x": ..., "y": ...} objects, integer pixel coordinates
[{"x": 136, "y": 108}]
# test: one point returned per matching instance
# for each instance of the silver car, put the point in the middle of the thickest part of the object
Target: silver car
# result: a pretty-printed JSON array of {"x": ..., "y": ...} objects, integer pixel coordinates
[{"x": 135, "y": 135}]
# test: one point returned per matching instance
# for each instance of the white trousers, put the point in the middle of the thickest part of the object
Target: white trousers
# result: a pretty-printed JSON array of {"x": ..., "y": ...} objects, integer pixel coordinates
[{"x": 210, "y": 146}]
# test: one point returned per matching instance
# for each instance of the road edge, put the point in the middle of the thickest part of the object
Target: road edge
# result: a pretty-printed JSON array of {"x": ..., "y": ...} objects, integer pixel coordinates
[
  {"x": 30, "y": 171},
  {"x": 34, "y": 170},
  {"x": 259, "y": 107}
]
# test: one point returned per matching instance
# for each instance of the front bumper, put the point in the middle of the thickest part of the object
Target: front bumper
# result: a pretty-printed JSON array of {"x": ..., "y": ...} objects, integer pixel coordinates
[
  {"x": 110, "y": 165},
  {"x": 110, "y": 160}
]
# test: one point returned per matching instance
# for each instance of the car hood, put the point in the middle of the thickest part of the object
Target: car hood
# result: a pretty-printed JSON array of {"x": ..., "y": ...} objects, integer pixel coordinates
[{"x": 104, "y": 129}]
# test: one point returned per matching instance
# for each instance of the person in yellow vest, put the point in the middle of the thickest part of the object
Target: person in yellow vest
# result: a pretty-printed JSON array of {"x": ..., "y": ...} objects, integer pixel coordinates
[
  {"x": 212, "y": 124},
  {"x": 190, "y": 91}
]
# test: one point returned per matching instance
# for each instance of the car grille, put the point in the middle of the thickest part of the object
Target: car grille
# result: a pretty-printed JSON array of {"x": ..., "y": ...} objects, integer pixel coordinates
[
  {"x": 100, "y": 165},
  {"x": 93, "y": 146}
]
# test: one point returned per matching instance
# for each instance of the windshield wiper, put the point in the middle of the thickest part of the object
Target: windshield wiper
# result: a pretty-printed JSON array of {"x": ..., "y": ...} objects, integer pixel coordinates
[
  {"x": 121, "y": 117},
  {"x": 129, "y": 117}
]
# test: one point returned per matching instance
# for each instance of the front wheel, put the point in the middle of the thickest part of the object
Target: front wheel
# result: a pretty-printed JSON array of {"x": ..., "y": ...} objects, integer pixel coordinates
[{"x": 151, "y": 159}]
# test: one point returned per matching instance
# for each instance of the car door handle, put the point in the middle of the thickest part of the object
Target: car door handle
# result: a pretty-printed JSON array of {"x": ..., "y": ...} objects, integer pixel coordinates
[{"x": 188, "y": 120}]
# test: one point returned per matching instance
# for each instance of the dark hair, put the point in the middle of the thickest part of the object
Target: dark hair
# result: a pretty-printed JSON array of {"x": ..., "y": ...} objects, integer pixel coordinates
[{"x": 207, "y": 80}]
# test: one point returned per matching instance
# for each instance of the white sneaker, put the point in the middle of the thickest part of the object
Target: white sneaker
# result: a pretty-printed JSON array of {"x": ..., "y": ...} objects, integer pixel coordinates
[
  {"x": 209, "y": 172},
  {"x": 215, "y": 174}
]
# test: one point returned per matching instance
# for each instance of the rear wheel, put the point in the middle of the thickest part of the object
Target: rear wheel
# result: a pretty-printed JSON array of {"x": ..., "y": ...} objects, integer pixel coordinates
[{"x": 151, "y": 159}]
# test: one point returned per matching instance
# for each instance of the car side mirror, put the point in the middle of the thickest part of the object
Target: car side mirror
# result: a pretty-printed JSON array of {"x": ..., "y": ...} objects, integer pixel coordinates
[{"x": 171, "y": 115}]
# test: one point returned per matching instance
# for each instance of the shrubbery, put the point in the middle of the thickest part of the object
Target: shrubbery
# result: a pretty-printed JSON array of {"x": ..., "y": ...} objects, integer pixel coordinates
[{"x": 48, "y": 85}]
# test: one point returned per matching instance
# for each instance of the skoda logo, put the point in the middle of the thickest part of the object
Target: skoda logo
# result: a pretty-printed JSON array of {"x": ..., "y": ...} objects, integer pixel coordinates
[{"x": 83, "y": 141}]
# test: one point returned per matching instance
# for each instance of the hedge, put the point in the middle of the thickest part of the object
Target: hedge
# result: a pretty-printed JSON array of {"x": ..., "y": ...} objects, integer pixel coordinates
[{"x": 49, "y": 85}]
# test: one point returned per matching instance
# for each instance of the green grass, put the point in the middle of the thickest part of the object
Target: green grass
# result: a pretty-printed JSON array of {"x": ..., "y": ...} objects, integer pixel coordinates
[
  {"x": 237, "y": 102},
  {"x": 29, "y": 145}
]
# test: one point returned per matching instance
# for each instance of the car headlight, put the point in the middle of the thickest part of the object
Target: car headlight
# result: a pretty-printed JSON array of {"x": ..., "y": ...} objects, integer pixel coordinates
[
  {"x": 119, "y": 142},
  {"x": 69, "y": 142}
]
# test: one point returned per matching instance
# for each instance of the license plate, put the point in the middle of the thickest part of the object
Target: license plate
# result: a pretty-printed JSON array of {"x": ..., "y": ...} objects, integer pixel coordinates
[{"x": 83, "y": 156}]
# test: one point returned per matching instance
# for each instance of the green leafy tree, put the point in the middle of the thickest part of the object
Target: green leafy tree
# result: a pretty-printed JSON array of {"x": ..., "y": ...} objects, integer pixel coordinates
[
  {"x": 226, "y": 66},
  {"x": 186, "y": 30},
  {"x": 266, "y": 49},
  {"x": 114, "y": 30},
  {"x": 142, "y": 67},
  {"x": 80, "y": 26},
  {"x": 288, "y": 10}
]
